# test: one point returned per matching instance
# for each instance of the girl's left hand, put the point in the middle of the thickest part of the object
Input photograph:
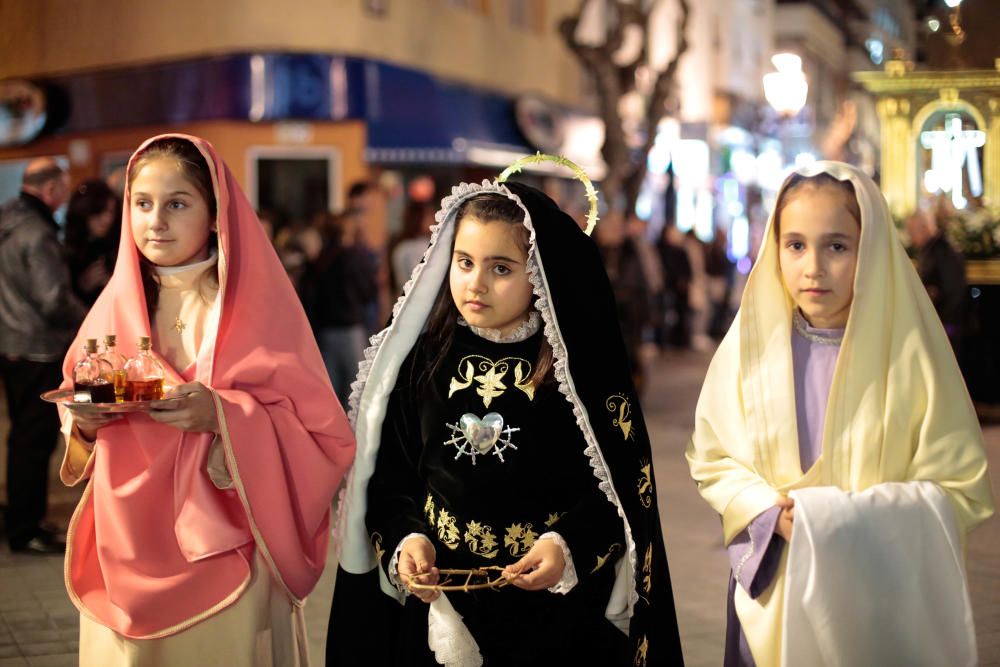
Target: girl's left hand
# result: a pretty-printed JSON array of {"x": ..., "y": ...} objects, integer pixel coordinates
[
  {"x": 542, "y": 567},
  {"x": 195, "y": 411}
]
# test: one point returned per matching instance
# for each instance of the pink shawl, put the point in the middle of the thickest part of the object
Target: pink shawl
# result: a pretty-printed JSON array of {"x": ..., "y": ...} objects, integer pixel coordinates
[{"x": 154, "y": 545}]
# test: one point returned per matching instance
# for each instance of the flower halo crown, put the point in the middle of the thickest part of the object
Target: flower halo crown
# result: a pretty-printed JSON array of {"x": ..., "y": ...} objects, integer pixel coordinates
[{"x": 578, "y": 172}]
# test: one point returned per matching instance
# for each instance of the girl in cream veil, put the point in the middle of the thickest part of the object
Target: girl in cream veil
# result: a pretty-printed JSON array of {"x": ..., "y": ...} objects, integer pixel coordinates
[{"x": 834, "y": 417}]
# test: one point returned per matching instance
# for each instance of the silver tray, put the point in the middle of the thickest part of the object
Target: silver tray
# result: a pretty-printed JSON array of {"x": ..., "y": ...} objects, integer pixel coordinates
[{"x": 64, "y": 397}]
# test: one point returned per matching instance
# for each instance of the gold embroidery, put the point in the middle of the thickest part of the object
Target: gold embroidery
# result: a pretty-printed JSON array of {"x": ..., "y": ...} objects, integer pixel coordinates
[
  {"x": 479, "y": 537},
  {"x": 553, "y": 518},
  {"x": 640, "y": 654},
  {"x": 429, "y": 509},
  {"x": 447, "y": 529},
  {"x": 377, "y": 546},
  {"x": 647, "y": 570},
  {"x": 179, "y": 325},
  {"x": 645, "y": 486},
  {"x": 623, "y": 419},
  {"x": 481, "y": 540},
  {"x": 602, "y": 560},
  {"x": 491, "y": 375},
  {"x": 519, "y": 539}
]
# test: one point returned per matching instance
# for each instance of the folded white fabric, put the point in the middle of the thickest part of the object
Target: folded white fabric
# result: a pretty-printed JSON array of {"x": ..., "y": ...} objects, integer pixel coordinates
[
  {"x": 452, "y": 643},
  {"x": 876, "y": 578}
]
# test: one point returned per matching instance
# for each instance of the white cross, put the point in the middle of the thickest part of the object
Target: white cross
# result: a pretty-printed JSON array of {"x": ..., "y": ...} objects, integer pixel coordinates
[{"x": 952, "y": 149}]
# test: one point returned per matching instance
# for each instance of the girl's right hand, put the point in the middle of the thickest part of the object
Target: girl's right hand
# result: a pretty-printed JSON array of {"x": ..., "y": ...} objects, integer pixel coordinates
[
  {"x": 87, "y": 422},
  {"x": 417, "y": 555},
  {"x": 786, "y": 519}
]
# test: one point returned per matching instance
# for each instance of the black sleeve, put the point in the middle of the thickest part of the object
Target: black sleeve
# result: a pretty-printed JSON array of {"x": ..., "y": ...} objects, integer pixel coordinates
[
  {"x": 593, "y": 530},
  {"x": 396, "y": 491}
]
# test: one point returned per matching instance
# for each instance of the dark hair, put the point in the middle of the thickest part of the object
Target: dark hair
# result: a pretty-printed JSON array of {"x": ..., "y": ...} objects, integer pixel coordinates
[
  {"x": 439, "y": 334},
  {"x": 89, "y": 199},
  {"x": 37, "y": 179},
  {"x": 822, "y": 179},
  {"x": 195, "y": 169}
]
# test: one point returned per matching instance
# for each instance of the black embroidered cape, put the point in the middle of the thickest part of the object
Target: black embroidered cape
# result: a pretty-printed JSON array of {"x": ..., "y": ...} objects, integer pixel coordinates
[{"x": 592, "y": 398}]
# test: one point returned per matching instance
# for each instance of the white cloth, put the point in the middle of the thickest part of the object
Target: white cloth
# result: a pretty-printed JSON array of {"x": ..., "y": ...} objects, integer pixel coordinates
[{"x": 876, "y": 578}]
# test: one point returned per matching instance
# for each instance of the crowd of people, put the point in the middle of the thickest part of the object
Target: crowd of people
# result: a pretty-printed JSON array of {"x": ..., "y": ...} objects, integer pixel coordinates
[{"x": 493, "y": 424}]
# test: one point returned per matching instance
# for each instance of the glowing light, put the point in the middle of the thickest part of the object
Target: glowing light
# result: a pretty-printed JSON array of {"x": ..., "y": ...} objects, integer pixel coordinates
[
  {"x": 934, "y": 24},
  {"x": 953, "y": 3},
  {"x": 953, "y": 152},
  {"x": 786, "y": 89}
]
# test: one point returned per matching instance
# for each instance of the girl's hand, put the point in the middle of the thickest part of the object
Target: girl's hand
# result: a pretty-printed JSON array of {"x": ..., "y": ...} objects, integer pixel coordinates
[
  {"x": 786, "y": 519},
  {"x": 542, "y": 567},
  {"x": 195, "y": 411},
  {"x": 417, "y": 555},
  {"x": 87, "y": 421}
]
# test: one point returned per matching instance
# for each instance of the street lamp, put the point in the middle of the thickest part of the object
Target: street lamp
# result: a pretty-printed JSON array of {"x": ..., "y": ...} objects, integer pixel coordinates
[{"x": 787, "y": 88}]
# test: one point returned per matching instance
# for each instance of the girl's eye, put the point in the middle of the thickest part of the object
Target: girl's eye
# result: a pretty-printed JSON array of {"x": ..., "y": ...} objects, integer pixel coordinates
[
  {"x": 176, "y": 204},
  {"x": 142, "y": 205},
  {"x": 838, "y": 247},
  {"x": 501, "y": 270},
  {"x": 464, "y": 263},
  {"x": 795, "y": 245}
]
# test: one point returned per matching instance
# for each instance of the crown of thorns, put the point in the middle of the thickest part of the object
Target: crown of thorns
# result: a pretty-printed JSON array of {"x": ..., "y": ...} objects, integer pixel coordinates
[{"x": 578, "y": 172}]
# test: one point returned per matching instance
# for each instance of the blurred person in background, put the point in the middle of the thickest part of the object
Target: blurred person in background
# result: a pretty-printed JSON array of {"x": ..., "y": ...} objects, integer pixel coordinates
[
  {"x": 676, "y": 284},
  {"x": 298, "y": 245},
  {"x": 719, "y": 270},
  {"x": 408, "y": 248},
  {"x": 628, "y": 281},
  {"x": 698, "y": 292},
  {"x": 942, "y": 271},
  {"x": 366, "y": 209},
  {"x": 38, "y": 315},
  {"x": 93, "y": 229},
  {"x": 337, "y": 289}
]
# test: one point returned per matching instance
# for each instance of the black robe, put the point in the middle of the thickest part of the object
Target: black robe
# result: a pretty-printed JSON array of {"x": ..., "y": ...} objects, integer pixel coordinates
[{"x": 591, "y": 405}]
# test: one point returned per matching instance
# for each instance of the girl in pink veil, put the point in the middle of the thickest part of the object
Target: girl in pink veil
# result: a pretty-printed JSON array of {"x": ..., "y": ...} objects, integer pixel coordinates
[{"x": 204, "y": 523}]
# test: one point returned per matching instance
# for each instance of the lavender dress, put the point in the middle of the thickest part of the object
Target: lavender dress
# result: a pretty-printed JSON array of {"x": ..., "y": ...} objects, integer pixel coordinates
[{"x": 755, "y": 553}]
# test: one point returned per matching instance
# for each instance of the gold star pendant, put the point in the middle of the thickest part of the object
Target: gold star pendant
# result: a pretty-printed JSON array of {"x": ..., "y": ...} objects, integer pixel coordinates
[{"x": 179, "y": 326}]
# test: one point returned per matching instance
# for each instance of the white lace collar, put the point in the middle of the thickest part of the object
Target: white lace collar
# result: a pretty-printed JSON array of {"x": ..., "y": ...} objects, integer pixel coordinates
[{"x": 523, "y": 332}]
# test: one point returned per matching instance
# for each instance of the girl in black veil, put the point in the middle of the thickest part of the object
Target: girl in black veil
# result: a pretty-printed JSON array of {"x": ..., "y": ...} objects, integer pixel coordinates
[{"x": 498, "y": 426}]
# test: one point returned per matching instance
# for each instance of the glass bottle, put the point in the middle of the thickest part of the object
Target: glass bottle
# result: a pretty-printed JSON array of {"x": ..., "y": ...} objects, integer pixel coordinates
[
  {"x": 117, "y": 361},
  {"x": 92, "y": 381},
  {"x": 144, "y": 375}
]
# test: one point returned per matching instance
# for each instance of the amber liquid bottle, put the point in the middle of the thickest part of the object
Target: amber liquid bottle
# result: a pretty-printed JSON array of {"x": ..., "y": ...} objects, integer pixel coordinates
[
  {"x": 144, "y": 375},
  {"x": 117, "y": 361},
  {"x": 92, "y": 377}
]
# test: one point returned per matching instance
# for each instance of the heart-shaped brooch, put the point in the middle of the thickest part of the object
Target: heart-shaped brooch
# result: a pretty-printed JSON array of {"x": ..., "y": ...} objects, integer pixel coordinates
[{"x": 474, "y": 436}]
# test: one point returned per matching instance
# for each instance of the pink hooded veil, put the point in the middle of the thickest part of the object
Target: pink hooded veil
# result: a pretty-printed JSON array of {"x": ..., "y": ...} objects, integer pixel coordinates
[{"x": 154, "y": 546}]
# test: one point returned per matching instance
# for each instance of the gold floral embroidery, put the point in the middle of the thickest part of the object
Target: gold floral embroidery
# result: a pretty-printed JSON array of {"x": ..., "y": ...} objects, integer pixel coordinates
[
  {"x": 640, "y": 654},
  {"x": 647, "y": 570},
  {"x": 553, "y": 518},
  {"x": 645, "y": 485},
  {"x": 519, "y": 538},
  {"x": 479, "y": 537},
  {"x": 481, "y": 540},
  {"x": 491, "y": 375},
  {"x": 377, "y": 546},
  {"x": 429, "y": 509},
  {"x": 447, "y": 529},
  {"x": 623, "y": 419},
  {"x": 602, "y": 560}
]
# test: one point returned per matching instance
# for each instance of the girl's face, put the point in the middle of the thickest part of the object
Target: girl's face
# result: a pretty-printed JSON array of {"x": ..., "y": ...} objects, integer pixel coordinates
[
  {"x": 818, "y": 254},
  {"x": 489, "y": 278},
  {"x": 171, "y": 220}
]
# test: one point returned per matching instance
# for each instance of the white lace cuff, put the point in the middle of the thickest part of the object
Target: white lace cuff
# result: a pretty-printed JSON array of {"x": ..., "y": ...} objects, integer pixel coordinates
[
  {"x": 569, "y": 578},
  {"x": 394, "y": 563}
]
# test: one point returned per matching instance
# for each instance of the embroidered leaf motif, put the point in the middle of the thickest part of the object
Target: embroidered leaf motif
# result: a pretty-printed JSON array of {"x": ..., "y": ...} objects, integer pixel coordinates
[
  {"x": 647, "y": 569},
  {"x": 429, "y": 509},
  {"x": 492, "y": 385},
  {"x": 447, "y": 530},
  {"x": 602, "y": 560},
  {"x": 480, "y": 539},
  {"x": 377, "y": 546},
  {"x": 555, "y": 516},
  {"x": 623, "y": 419},
  {"x": 458, "y": 385},
  {"x": 645, "y": 486},
  {"x": 519, "y": 538},
  {"x": 640, "y": 654},
  {"x": 527, "y": 387}
]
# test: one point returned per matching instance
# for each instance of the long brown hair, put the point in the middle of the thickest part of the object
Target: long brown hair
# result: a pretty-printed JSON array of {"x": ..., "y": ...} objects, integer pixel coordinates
[
  {"x": 195, "y": 170},
  {"x": 439, "y": 334},
  {"x": 798, "y": 182}
]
